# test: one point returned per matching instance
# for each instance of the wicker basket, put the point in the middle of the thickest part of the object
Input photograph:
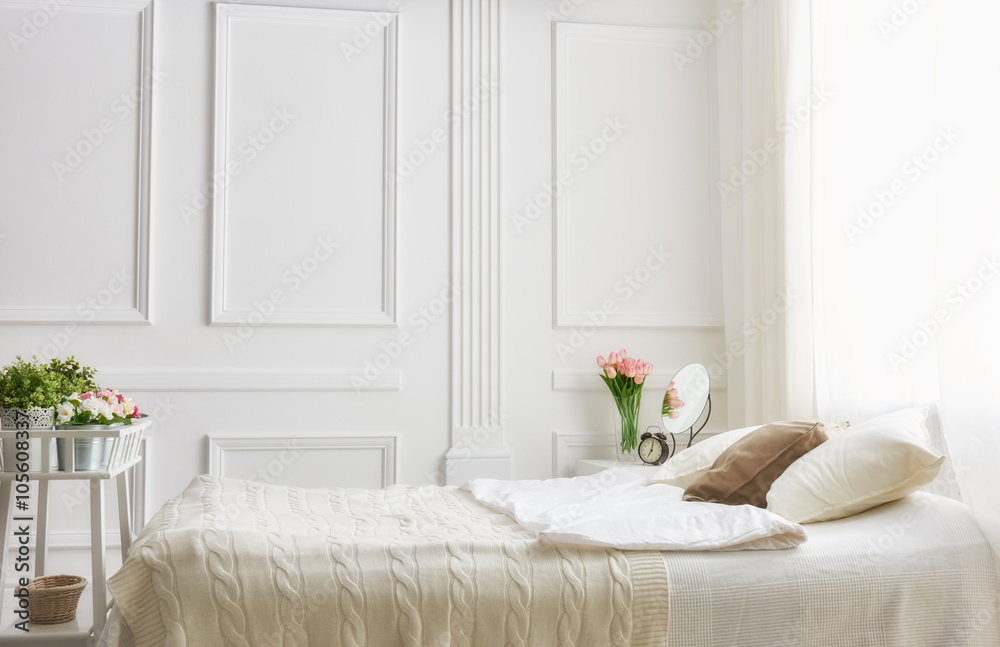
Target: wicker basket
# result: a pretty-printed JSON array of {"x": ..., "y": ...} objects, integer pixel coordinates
[{"x": 52, "y": 599}]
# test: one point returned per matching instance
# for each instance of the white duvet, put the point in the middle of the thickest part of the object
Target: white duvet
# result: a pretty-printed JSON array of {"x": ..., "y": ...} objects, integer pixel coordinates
[{"x": 616, "y": 509}]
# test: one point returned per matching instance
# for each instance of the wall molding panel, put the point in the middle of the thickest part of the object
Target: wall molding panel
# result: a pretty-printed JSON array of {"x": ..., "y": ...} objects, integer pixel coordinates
[
  {"x": 477, "y": 432},
  {"x": 306, "y": 460},
  {"x": 571, "y": 446},
  {"x": 92, "y": 145},
  {"x": 244, "y": 380},
  {"x": 647, "y": 159},
  {"x": 319, "y": 159}
]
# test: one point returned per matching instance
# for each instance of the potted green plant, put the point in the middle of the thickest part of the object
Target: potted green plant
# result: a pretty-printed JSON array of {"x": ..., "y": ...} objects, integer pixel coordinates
[{"x": 29, "y": 392}]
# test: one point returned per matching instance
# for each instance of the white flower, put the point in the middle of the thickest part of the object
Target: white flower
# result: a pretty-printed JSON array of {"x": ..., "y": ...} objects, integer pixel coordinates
[
  {"x": 98, "y": 407},
  {"x": 105, "y": 410},
  {"x": 65, "y": 411}
]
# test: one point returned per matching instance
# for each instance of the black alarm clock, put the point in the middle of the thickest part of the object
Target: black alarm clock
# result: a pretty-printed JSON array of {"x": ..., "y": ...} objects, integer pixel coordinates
[{"x": 653, "y": 448}]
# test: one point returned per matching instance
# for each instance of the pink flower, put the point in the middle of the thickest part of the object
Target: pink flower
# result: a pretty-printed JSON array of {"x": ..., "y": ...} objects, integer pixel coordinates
[
  {"x": 623, "y": 353},
  {"x": 600, "y": 361},
  {"x": 613, "y": 358},
  {"x": 86, "y": 396},
  {"x": 136, "y": 414},
  {"x": 638, "y": 379},
  {"x": 609, "y": 370},
  {"x": 121, "y": 398},
  {"x": 630, "y": 372},
  {"x": 674, "y": 414},
  {"x": 648, "y": 368}
]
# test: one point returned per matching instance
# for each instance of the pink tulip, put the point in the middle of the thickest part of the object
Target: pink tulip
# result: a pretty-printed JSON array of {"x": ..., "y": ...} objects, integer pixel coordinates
[
  {"x": 674, "y": 414},
  {"x": 610, "y": 371},
  {"x": 647, "y": 368},
  {"x": 638, "y": 379},
  {"x": 630, "y": 372},
  {"x": 600, "y": 361},
  {"x": 623, "y": 353},
  {"x": 671, "y": 385}
]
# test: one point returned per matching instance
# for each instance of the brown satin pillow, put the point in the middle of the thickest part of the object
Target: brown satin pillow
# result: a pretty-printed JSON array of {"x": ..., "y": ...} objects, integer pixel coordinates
[{"x": 743, "y": 474}]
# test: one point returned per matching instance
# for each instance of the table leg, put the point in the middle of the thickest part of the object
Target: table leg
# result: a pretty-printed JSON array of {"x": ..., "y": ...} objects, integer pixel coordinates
[
  {"x": 41, "y": 545},
  {"x": 97, "y": 549},
  {"x": 6, "y": 509},
  {"x": 124, "y": 514}
]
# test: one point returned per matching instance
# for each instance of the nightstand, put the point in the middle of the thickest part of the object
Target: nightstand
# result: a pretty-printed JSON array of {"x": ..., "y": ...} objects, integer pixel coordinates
[
  {"x": 588, "y": 466},
  {"x": 125, "y": 443}
]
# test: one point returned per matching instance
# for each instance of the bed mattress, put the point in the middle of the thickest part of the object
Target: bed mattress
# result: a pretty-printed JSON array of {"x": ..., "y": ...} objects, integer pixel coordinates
[{"x": 231, "y": 562}]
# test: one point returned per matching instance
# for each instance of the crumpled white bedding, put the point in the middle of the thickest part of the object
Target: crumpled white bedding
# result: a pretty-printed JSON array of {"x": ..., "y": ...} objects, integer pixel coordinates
[{"x": 615, "y": 509}]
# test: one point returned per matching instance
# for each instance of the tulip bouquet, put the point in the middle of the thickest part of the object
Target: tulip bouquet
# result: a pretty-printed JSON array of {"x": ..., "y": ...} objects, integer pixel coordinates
[
  {"x": 101, "y": 408},
  {"x": 625, "y": 376}
]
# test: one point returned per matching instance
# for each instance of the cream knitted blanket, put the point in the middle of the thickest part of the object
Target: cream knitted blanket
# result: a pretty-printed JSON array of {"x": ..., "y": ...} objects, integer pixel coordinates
[{"x": 240, "y": 563}]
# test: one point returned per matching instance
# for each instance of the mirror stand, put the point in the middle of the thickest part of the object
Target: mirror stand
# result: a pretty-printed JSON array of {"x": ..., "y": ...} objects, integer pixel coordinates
[
  {"x": 690, "y": 430},
  {"x": 688, "y": 398}
]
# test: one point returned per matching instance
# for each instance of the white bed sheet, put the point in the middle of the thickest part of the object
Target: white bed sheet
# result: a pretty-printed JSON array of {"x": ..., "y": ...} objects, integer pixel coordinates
[{"x": 915, "y": 572}]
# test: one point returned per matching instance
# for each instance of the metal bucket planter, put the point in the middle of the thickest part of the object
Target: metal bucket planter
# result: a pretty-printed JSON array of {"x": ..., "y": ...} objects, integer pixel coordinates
[
  {"x": 89, "y": 454},
  {"x": 33, "y": 418}
]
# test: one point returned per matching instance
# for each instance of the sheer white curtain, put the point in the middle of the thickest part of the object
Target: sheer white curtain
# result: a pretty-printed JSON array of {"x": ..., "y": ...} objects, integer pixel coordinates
[
  {"x": 768, "y": 298},
  {"x": 895, "y": 178}
]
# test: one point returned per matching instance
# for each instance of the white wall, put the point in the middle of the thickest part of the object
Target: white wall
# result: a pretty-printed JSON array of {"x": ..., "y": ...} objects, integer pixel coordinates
[
  {"x": 650, "y": 185},
  {"x": 303, "y": 107}
]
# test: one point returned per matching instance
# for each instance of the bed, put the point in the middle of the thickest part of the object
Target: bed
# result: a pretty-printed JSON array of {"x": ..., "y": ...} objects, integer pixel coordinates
[{"x": 241, "y": 563}]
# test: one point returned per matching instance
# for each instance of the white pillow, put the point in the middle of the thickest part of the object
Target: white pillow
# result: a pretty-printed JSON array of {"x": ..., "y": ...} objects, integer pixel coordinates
[
  {"x": 685, "y": 466},
  {"x": 874, "y": 462}
]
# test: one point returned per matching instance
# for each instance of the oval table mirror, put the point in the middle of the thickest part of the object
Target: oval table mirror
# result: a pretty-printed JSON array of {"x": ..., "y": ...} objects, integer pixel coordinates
[{"x": 692, "y": 385}]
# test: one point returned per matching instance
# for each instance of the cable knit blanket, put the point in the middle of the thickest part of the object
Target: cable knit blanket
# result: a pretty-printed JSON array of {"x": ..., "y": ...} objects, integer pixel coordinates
[{"x": 240, "y": 563}]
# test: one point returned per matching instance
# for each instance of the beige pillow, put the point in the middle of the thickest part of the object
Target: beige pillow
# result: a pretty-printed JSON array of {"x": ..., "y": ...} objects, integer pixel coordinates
[
  {"x": 685, "y": 466},
  {"x": 743, "y": 474},
  {"x": 872, "y": 463}
]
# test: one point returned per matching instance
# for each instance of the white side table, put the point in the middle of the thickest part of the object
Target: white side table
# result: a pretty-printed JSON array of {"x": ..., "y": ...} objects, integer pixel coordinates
[
  {"x": 123, "y": 457},
  {"x": 588, "y": 466}
]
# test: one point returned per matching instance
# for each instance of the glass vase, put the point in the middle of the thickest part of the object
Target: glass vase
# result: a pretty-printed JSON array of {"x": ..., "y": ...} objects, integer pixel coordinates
[{"x": 626, "y": 426}]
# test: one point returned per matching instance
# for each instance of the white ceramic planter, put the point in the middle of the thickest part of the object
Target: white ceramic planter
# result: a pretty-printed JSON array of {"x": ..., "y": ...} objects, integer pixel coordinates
[{"x": 33, "y": 418}]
